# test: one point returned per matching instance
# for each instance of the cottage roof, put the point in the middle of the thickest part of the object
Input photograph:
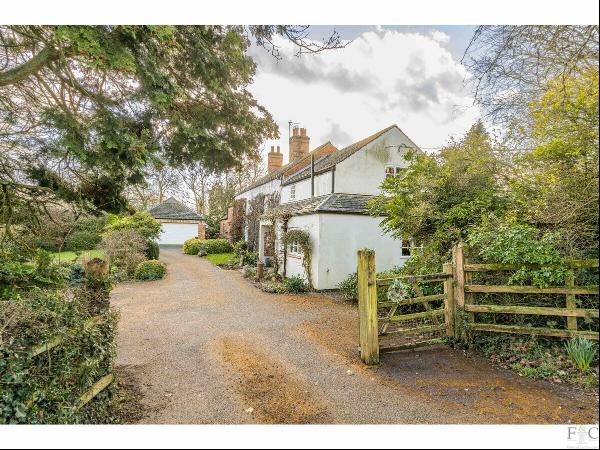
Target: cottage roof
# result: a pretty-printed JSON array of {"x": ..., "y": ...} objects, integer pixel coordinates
[
  {"x": 339, "y": 203},
  {"x": 280, "y": 172},
  {"x": 327, "y": 163},
  {"x": 173, "y": 209}
]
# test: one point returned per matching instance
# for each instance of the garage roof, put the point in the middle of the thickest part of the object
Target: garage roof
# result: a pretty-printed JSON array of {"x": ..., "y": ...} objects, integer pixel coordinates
[{"x": 173, "y": 209}]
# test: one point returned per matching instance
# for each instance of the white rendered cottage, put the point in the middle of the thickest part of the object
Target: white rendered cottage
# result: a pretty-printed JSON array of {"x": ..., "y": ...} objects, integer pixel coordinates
[
  {"x": 328, "y": 199},
  {"x": 299, "y": 158}
]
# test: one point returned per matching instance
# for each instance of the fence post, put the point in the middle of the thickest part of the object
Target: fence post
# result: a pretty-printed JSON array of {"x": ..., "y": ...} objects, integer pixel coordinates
[
  {"x": 458, "y": 263},
  {"x": 449, "y": 301},
  {"x": 368, "y": 329},
  {"x": 571, "y": 303}
]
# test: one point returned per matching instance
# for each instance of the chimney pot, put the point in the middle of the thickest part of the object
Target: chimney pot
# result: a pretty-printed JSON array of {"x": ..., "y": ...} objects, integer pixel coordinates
[
  {"x": 274, "y": 159},
  {"x": 278, "y": 149}
]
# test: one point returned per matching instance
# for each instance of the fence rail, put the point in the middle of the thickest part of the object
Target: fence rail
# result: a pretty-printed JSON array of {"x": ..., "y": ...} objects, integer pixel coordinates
[{"x": 459, "y": 311}]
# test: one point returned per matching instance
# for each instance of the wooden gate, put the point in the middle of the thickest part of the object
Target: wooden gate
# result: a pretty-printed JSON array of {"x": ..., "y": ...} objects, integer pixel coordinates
[
  {"x": 423, "y": 315},
  {"x": 442, "y": 305}
]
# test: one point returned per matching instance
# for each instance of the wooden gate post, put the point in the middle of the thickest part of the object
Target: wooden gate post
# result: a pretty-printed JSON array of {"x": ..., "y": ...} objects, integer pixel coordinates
[
  {"x": 571, "y": 303},
  {"x": 458, "y": 263},
  {"x": 368, "y": 328},
  {"x": 449, "y": 301}
]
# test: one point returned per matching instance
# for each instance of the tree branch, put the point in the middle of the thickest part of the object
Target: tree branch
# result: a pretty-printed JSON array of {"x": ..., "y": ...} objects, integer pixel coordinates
[{"x": 28, "y": 68}]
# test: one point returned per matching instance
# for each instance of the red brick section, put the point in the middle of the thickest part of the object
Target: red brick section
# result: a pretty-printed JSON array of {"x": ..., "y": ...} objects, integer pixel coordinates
[
  {"x": 325, "y": 149},
  {"x": 299, "y": 144},
  {"x": 201, "y": 230},
  {"x": 225, "y": 224},
  {"x": 274, "y": 159}
]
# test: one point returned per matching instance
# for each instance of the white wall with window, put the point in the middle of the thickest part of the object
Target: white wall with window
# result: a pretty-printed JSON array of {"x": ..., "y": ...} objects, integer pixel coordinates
[
  {"x": 392, "y": 171},
  {"x": 364, "y": 171}
]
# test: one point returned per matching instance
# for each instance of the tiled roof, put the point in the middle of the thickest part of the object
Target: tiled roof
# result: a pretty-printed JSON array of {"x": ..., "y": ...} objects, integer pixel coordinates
[
  {"x": 331, "y": 203},
  {"x": 172, "y": 209},
  {"x": 330, "y": 161},
  {"x": 279, "y": 173}
]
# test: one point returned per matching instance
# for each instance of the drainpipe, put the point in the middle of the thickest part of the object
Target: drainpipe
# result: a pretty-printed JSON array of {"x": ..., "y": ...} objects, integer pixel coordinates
[
  {"x": 333, "y": 180},
  {"x": 312, "y": 175},
  {"x": 284, "y": 227}
]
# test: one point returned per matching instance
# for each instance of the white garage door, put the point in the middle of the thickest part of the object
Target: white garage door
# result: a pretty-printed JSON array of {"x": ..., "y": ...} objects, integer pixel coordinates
[{"x": 177, "y": 233}]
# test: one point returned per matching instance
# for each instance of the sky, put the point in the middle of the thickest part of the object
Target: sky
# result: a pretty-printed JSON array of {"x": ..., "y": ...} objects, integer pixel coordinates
[{"x": 405, "y": 75}]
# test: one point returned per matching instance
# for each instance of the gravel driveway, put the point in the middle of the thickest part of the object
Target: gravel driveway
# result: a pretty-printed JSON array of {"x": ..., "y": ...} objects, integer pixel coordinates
[{"x": 203, "y": 345}]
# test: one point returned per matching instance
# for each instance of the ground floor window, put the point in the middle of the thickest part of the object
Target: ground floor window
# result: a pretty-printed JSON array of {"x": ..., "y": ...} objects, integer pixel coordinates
[
  {"x": 409, "y": 246},
  {"x": 294, "y": 249}
]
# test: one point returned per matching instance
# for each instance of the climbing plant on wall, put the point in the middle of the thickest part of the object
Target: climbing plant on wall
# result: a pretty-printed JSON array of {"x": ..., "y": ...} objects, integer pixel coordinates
[
  {"x": 256, "y": 208},
  {"x": 238, "y": 220},
  {"x": 302, "y": 239}
]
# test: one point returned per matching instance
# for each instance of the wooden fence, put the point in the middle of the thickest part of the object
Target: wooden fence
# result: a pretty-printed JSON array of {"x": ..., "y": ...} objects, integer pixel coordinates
[{"x": 459, "y": 310}]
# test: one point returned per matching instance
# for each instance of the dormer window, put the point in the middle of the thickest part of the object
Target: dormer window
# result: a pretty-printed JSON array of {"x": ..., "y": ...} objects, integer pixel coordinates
[
  {"x": 293, "y": 192},
  {"x": 392, "y": 171}
]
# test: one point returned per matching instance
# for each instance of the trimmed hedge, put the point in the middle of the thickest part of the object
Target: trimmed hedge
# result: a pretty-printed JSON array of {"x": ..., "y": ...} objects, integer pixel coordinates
[
  {"x": 211, "y": 246},
  {"x": 150, "y": 270},
  {"x": 191, "y": 246}
]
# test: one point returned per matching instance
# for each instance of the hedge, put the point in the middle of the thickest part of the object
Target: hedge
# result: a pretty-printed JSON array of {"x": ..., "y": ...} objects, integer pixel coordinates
[
  {"x": 211, "y": 246},
  {"x": 150, "y": 270},
  {"x": 44, "y": 386}
]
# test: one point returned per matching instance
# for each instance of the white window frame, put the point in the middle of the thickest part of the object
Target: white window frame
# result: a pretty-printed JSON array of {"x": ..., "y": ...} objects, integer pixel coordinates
[
  {"x": 408, "y": 246},
  {"x": 294, "y": 250},
  {"x": 293, "y": 192},
  {"x": 394, "y": 172}
]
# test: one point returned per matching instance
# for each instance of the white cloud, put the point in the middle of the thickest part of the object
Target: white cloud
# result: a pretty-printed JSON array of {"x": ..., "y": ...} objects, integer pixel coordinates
[
  {"x": 439, "y": 36},
  {"x": 382, "y": 77}
]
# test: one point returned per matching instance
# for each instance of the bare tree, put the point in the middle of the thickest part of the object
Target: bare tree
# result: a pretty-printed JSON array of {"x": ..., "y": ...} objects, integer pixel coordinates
[
  {"x": 511, "y": 65},
  {"x": 161, "y": 181},
  {"x": 196, "y": 179}
]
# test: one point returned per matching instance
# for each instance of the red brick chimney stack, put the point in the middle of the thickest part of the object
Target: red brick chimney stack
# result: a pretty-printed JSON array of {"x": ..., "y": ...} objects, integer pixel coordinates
[
  {"x": 275, "y": 159},
  {"x": 299, "y": 143}
]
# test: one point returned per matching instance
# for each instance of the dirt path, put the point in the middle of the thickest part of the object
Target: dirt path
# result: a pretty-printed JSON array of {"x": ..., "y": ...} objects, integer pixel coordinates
[{"x": 205, "y": 346}]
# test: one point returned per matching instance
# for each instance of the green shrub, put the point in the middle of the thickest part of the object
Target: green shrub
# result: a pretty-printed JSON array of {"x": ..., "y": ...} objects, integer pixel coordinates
[
  {"x": 124, "y": 249},
  {"x": 582, "y": 352},
  {"x": 152, "y": 250},
  {"x": 44, "y": 389},
  {"x": 142, "y": 222},
  {"x": 76, "y": 273},
  {"x": 349, "y": 287},
  {"x": 294, "y": 285},
  {"x": 216, "y": 246},
  {"x": 250, "y": 258},
  {"x": 18, "y": 274},
  {"x": 240, "y": 247},
  {"x": 150, "y": 270},
  {"x": 499, "y": 242},
  {"x": 191, "y": 246},
  {"x": 81, "y": 240},
  {"x": 273, "y": 288},
  {"x": 249, "y": 272}
]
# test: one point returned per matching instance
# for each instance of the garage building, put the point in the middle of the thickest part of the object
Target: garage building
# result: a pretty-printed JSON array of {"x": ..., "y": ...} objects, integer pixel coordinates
[{"x": 179, "y": 223}]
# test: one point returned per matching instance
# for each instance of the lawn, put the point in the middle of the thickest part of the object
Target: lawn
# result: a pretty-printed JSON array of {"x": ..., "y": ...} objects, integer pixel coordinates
[
  {"x": 72, "y": 256},
  {"x": 220, "y": 258}
]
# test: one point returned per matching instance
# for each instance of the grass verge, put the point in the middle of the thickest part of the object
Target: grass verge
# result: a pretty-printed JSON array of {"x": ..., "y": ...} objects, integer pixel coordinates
[
  {"x": 73, "y": 256},
  {"x": 220, "y": 258}
]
